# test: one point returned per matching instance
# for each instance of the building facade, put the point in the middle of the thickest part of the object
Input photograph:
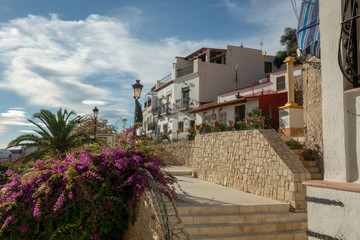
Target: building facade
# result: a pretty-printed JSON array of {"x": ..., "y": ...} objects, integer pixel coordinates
[
  {"x": 196, "y": 80},
  {"x": 267, "y": 94}
]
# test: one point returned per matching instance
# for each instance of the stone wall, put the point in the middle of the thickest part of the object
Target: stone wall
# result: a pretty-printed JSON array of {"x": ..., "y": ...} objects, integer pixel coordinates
[
  {"x": 255, "y": 161},
  {"x": 313, "y": 108},
  {"x": 149, "y": 223},
  {"x": 180, "y": 155},
  {"x": 299, "y": 90}
]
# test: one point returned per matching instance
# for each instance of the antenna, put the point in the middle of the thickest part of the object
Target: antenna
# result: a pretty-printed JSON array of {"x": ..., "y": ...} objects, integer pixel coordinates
[{"x": 261, "y": 44}]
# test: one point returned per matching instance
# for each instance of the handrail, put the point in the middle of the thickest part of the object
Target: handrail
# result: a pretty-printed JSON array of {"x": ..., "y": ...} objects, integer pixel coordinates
[{"x": 155, "y": 190}]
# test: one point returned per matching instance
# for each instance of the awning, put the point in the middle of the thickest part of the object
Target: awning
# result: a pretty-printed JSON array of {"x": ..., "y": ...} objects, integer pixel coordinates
[{"x": 308, "y": 29}]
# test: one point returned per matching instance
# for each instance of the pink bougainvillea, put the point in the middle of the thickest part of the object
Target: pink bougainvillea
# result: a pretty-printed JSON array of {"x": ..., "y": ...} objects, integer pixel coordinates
[{"x": 84, "y": 196}]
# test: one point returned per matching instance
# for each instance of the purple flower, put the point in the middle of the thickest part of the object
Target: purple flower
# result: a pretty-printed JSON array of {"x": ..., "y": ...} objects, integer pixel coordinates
[
  {"x": 59, "y": 203},
  {"x": 23, "y": 228}
]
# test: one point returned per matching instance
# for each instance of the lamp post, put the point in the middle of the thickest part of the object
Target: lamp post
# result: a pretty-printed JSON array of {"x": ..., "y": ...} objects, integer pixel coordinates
[
  {"x": 137, "y": 93},
  {"x": 96, "y": 112}
]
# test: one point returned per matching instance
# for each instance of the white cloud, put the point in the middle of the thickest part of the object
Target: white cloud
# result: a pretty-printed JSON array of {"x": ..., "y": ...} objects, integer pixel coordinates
[
  {"x": 17, "y": 123},
  {"x": 53, "y": 63},
  {"x": 13, "y": 114},
  {"x": 14, "y": 117},
  {"x": 94, "y": 102},
  {"x": 27, "y": 131}
]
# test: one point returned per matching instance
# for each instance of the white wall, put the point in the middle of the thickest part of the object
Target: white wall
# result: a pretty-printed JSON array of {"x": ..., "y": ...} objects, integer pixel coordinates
[
  {"x": 332, "y": 93},
  {"x": 341, "y": 138},
  {"x": 249, "y": 90}
]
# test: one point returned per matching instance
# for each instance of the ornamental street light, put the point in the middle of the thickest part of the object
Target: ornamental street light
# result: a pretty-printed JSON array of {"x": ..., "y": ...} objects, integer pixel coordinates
[
  {"x": 96, "y": 112},
  {"x": 137, "y": 93}
]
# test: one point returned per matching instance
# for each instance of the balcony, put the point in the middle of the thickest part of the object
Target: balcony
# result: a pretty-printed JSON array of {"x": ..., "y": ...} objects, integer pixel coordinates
[
  {"x": 165, "y": 109},
  {"x": 184, "y": 71},
  {"x": 151, "y": 126},
  {"x": 182, "y": 104}
]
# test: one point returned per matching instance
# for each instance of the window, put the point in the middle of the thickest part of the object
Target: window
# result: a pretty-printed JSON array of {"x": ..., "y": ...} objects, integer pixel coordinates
[
  {"x": 222, "y": 118},
  {"x": 240, "y": 113},
  {"x": 185, "y": 93},
  {"x": 280, "y": 83},
  {"x": 181, "y": 125},
  {"x": 268, "y": 67}
]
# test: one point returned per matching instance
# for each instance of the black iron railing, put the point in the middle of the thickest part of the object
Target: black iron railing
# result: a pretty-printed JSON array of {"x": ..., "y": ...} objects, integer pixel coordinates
[
  {"x": 348, "y": 43},
  {"x": 165, "y": 108},
  {"x": 157, "y": 195}
]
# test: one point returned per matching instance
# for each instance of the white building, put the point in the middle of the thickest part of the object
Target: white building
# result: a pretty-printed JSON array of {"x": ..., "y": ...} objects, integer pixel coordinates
[
  {"x": 334, "y": 204},
  {"x": 268, "y": 94},
  {"x": 5, "y": 155},
  {"x": 196, "y": 80}
]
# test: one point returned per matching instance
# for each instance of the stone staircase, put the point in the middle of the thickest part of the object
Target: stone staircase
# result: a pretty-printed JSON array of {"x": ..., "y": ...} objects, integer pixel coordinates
[
  {"x": 311, "y": 166},
  {"x": 253, "y": 222},
  {"x": 241, "y": 222}
]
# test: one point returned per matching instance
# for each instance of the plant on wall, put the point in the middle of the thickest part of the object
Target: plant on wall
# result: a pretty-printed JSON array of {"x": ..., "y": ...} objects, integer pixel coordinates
[{"x": 259, "y": 119}]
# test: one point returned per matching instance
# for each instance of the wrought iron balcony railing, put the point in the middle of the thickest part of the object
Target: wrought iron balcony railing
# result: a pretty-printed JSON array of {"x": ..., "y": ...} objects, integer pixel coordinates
[{"x": 182, "y": 104}]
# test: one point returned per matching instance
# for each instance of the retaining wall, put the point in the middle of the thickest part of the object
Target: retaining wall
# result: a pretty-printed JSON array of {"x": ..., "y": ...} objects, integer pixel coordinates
[
  {"x": 255, "y": 161},
  {"x": 149, "y": 223}
]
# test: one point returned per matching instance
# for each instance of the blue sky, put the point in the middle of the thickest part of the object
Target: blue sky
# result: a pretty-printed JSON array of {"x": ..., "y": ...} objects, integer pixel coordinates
[{"x": 80, "y": 54}]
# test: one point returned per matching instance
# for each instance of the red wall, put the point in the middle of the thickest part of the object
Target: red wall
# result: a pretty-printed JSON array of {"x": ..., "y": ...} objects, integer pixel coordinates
[{"x": 271, "y": 103}]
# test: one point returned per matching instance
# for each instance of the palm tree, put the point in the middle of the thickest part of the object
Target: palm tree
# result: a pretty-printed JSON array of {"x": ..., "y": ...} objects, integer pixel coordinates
[{"x": 56, "y": 137}]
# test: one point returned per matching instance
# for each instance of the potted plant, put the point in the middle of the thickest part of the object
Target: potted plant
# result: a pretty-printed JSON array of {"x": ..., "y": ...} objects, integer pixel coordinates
[
  {"x": 248, "y": 119},
  {"x": 231, "y": 123}
]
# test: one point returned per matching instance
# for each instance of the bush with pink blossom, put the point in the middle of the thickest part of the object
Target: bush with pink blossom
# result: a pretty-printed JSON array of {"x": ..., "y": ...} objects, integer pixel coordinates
[{"x": 87, "y": 195}]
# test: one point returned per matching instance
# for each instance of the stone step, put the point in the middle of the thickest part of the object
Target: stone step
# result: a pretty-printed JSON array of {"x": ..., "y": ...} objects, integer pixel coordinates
[
  {"x": 293, "y": 235},
  {"x": 236, "y": 228},
  {"x": 234, "y": 209},
  {"x": 181, "y": 173},
  {"x": 313, "y": 169},
  {"x": 309, "y": 163},
  {"x": 317, "y": 176},
  {"x": 256, "y": 217},
  {"x": 179, "y": 170}
]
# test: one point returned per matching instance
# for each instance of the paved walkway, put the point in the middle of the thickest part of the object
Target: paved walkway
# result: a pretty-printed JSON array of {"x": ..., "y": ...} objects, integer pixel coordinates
[{"x": 200, "y": 192}]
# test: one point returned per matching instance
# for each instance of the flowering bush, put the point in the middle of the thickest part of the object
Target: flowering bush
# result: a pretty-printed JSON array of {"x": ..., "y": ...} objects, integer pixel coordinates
[{"x": 84, "y": 196}]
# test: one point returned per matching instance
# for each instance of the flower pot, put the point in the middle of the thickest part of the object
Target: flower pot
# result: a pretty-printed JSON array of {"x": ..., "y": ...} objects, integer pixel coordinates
[{"x": 248, "y": 122}]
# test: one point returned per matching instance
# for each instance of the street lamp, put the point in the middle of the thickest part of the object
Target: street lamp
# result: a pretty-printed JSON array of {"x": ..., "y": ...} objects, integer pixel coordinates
[
  {"x": 96, "y": 112},
  {"x": 137, "y": 93}
]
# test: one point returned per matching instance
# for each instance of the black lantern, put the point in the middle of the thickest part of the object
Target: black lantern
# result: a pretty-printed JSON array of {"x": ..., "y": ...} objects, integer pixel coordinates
[
  {"x": 96, "y": 112},
  {"x": 137, "y": 89},
  {"x": 137, "y": 93}
]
